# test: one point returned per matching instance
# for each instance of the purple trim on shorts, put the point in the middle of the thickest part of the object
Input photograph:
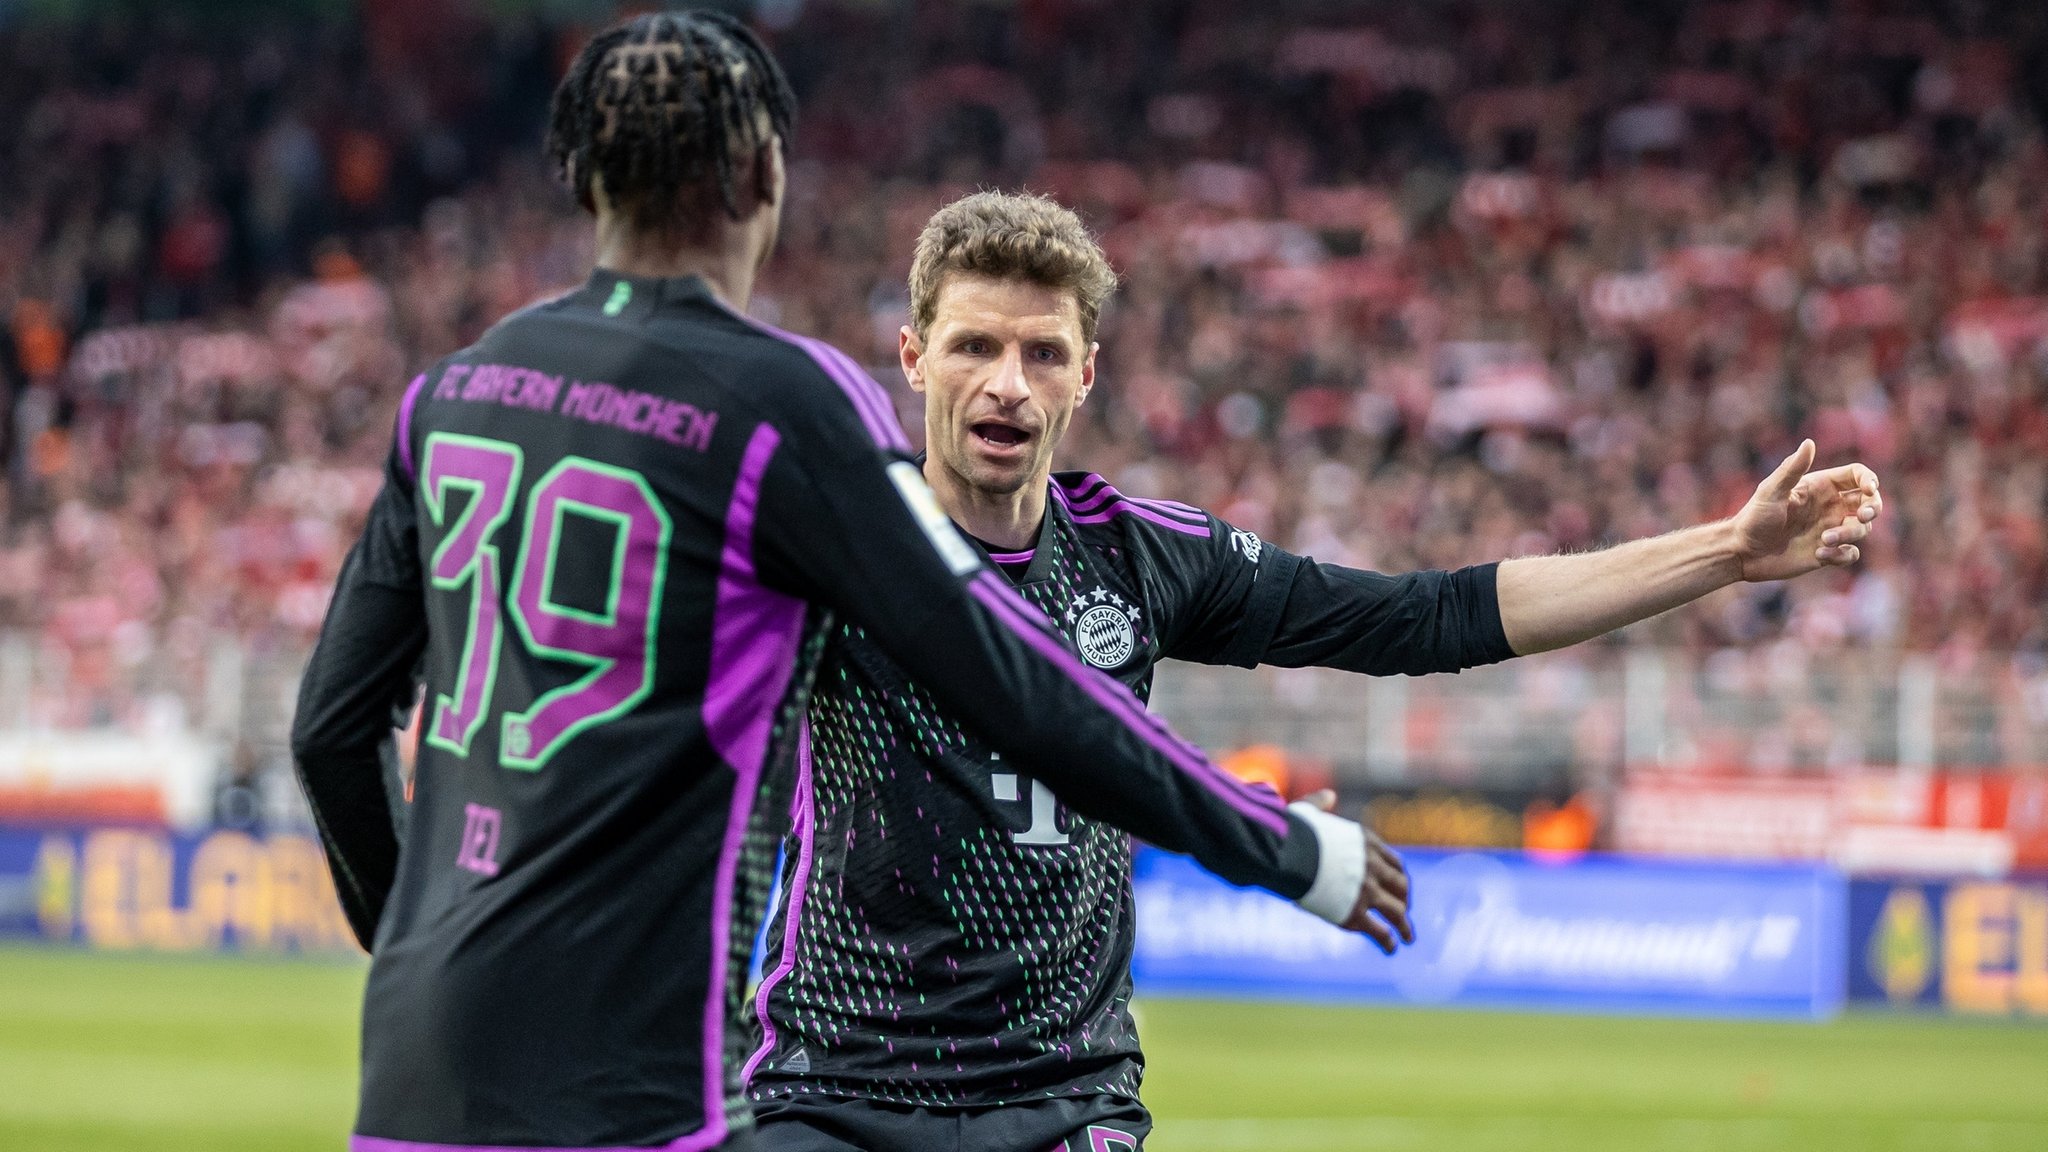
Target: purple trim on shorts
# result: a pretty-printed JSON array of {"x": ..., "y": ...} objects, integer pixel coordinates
[
  {"x": 803, "y": 818},
  {"x": 1101, "y": 1139},
  {"x": 412, "y": 392},
  {"x": 754, "y": 639},
  {"x": 876, "y": 410},
  {"x": 694, "y": 1142},
  {"x": 1261, "y": 806}
]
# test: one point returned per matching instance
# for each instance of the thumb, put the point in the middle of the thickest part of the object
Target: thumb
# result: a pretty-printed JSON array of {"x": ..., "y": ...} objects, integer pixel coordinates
[
  {"x": 1780, "y": 484},
  {"x": 1323, "y": 799}
]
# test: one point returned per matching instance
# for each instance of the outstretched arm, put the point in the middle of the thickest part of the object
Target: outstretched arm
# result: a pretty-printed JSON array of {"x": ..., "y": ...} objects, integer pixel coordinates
[
  {"x": 1798, "y": 522},
  {"x": 1297, "y": 612}
]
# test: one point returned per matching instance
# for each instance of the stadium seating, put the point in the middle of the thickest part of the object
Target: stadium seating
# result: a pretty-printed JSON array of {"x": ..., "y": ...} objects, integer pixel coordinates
[{"x": 1424, "y": 292}]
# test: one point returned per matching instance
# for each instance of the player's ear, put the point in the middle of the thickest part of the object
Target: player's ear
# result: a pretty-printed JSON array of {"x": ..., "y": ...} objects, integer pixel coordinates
[
  {"x": 771, "y": 178},
  {"x": 1088, "y": 373},
  {"x": 910, "y": 352}
]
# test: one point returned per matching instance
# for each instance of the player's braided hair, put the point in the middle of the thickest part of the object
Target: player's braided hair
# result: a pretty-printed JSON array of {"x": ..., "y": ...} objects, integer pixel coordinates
[{"x": 656, "y": 107}]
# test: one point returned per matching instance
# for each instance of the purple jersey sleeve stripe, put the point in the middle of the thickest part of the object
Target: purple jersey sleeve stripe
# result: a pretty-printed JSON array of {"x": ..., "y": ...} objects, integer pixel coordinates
[
  {"x": 1259, "y": 803},
  {"x": 803, "y": 820},
  {"x": 1084, "y": 487},
  {"x": 1171, "y": 506},
  {"x": 1124, "y": 508},
  {"x": 1109, "y": 496},
  {"x": 412, "y": 393},
  {"x": 1262, "y": 807},
  {"x": 867, "y": 397},
  {"x": 754, "y": 637},
  {"x": 863, "y": 392},
  {"x": 754, "y": 630},
  {"x": 858, "y": 383}
]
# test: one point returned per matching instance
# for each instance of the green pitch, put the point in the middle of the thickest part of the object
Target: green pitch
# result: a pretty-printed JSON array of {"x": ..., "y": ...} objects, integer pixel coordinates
[
  {"x": 102, "y": 1053},
  {"x": 1248, "y": 1076}
]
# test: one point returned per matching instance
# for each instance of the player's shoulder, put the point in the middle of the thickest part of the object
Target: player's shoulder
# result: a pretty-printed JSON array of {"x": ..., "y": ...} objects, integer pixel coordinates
[
  {"x": 1104, "y": 514},
  {"x": 519, "y": 319},
  {"x": 806, "y": 380}
]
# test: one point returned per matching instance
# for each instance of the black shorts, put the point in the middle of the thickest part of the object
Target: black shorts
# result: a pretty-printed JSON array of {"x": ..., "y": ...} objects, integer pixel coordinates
[{"x": 834, "y": 1124}]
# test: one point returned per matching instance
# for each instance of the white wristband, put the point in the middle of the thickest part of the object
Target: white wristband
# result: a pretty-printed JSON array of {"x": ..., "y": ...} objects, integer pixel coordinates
[{"x": 1340, "y": 869}]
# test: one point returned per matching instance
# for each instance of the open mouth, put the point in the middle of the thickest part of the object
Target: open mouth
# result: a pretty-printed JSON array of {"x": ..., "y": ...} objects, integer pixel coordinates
[{"x": 1000, "y": 435}]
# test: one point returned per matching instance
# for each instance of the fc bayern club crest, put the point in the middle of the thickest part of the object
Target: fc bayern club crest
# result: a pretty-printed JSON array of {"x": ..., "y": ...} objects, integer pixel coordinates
[{"x": 1105, "y": 628}]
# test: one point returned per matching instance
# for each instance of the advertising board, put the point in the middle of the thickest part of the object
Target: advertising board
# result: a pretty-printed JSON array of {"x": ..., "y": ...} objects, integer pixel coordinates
[
  {"x": 1448, "y": 817},
  {"x": 132, "y": 888},
  {"x": 1973, "y": 946},
  {"x": 1727, "y": 817},
  {"x": 1868, "y": 819},
  {"x": 1601, "y": 934},
  {"x": 77, "y": 778}
]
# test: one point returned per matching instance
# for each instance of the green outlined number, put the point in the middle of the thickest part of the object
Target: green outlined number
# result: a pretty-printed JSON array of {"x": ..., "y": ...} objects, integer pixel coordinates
[
  {"x": 489, "y": 470},
  {"x": 615, "y": 646}
]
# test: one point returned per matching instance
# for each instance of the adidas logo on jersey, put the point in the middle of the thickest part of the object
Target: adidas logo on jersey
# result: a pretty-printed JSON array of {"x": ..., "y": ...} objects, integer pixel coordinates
[{"x": 799, "y": 1062}]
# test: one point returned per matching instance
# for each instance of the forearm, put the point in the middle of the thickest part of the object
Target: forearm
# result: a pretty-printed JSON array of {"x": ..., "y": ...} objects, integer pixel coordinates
[
  {"x": 345, "y": 793},
  {"x": 1413, "y": 624},
  {"x": 1549, "y": 602},
  {"x": 360, "y": 676}
]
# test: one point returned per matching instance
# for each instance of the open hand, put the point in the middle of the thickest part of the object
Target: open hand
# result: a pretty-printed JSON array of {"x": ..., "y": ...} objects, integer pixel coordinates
[
  {"x": 1384, "y": 892},
  {"x": 1800, "y": 521}
]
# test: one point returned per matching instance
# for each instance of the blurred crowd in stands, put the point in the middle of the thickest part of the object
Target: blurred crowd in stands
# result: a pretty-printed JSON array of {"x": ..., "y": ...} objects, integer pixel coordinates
[{"x": 1404, "y": 284}]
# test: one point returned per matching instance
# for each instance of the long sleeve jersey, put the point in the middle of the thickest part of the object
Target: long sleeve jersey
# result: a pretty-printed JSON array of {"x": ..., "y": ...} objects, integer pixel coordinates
[
  {"x": 611, "y": 538},
  {"x": 950, "y": 933}
]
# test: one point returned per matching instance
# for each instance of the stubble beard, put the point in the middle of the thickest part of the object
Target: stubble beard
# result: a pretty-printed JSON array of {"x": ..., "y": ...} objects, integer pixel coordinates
[{"x": 991, "y": 479}]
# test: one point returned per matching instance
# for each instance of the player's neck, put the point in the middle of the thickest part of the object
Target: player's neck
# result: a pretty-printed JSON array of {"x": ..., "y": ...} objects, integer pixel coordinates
[
  {"x": 1005, "y": 519},
  {"x": 726, "y": 259}
]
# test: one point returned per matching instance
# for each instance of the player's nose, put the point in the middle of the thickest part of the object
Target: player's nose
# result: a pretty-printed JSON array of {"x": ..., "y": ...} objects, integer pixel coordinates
[{"x": 1007, "y": 382}]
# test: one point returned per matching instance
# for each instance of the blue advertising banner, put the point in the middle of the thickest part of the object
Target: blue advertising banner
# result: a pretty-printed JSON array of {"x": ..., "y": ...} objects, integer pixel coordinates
[
  {"x": 123, "y": 888},
  {"x": 1976, "y": 946},
  {"x": 1606, "y": 934}
]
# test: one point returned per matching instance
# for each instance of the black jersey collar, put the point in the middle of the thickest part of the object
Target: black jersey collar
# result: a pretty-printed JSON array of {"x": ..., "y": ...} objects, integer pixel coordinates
[
  {"x": 1040, "y": 565},
  {"x": 617, "y": 294}
]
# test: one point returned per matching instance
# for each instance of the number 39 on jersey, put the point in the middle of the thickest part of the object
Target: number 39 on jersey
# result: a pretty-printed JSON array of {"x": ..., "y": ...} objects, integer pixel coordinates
[{"x": 615, "y": 645}]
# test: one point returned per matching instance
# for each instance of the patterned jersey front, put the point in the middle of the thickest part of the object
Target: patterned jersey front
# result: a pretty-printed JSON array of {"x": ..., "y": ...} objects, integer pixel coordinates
[{"x": 950, "y": 933}]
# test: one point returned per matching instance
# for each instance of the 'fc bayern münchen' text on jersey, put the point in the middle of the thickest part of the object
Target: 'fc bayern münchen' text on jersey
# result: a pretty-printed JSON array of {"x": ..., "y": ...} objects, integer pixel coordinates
[
  {"x": 950, "y": 934},
  {"x": 611, "y": 538}
]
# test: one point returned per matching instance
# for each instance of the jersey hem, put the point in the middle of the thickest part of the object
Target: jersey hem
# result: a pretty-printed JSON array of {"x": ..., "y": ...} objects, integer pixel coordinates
[{"x": 702, "y": 1140}]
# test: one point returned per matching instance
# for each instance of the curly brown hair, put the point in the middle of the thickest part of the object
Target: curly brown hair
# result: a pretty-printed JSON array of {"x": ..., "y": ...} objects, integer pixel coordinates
[{"x": 1010, "y": 235}]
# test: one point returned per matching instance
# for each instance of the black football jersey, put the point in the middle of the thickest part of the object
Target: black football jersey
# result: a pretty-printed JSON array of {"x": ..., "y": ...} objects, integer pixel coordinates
[
  {"x": 950, "y": 933},
  {"x": 612, "y": 538}
]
